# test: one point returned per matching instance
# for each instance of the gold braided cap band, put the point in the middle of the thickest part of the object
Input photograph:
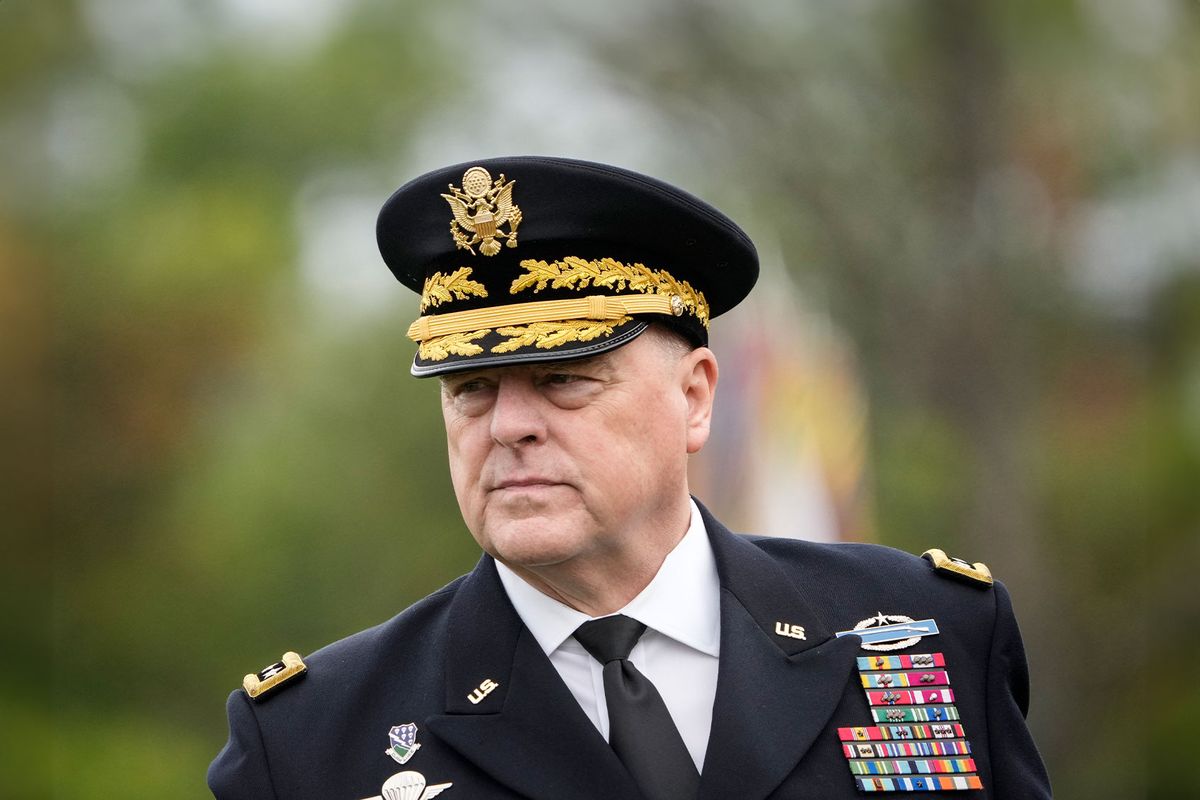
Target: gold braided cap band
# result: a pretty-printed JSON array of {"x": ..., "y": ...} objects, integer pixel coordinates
[{"x": 597, "y": 306}]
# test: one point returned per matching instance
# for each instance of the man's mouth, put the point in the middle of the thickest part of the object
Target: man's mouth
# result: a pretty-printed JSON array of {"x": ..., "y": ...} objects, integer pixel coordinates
[{"x": 528, "y": 482}]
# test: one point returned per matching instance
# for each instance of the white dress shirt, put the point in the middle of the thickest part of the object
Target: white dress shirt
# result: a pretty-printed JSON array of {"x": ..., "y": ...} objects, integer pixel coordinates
[{"x": 681, "y": 609}]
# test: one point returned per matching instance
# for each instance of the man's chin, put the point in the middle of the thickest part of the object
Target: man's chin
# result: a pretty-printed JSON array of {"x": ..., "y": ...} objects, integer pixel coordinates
[{"x": 534, "y": 541}]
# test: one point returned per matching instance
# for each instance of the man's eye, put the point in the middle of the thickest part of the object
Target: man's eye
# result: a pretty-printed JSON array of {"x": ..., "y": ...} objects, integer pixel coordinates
[
  {"x": 560, "y": 378},
  {"x": 467, "y": 387}
]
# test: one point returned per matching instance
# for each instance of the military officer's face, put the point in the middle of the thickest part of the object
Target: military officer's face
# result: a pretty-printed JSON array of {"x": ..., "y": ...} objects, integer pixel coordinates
[{"x": 578, "y": 461}]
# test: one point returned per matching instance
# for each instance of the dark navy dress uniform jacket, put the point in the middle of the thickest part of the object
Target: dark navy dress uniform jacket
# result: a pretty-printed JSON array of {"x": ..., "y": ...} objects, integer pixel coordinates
[{"x": 779, "y": 701}]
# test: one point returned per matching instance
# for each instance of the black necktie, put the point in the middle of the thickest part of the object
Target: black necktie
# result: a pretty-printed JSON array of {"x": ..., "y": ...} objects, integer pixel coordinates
[{"x": 640, "y": 729}]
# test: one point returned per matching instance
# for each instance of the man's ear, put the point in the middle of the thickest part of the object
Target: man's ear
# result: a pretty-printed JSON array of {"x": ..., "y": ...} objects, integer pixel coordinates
[{"x": 698, "y": 375}]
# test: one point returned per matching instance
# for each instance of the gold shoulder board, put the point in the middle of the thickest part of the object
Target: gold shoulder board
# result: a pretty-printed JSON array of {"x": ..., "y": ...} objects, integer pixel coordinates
[
  {"x": 287, "y": 668},
  {"x": 957, "y": 568}
]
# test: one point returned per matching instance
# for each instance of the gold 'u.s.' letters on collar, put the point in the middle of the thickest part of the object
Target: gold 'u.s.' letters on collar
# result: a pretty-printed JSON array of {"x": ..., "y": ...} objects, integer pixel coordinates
[
  {"x": 483, "y": 690},
  {"x": 789, "y": 630}
]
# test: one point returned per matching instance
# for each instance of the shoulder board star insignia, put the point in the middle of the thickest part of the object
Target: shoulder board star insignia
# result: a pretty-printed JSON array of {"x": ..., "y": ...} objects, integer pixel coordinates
[
  {"x": 976, "y": 573},
  {"x": 287, "y": 668}
]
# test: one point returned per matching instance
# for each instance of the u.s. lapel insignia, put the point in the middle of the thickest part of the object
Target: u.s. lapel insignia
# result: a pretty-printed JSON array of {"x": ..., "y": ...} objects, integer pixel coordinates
[
  {"x": 482, "y": 207},
  {"x": 483, "y": 690},
  {"x": 789, "y": 630},
  {"x": 402, "y": 740},
  {"x": 886, "y": 632},
  {"x": 409, "y": 786}
]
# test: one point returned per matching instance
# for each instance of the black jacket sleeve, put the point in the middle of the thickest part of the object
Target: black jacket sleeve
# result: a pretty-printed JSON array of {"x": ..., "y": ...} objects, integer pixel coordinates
[
  {"x": 1017, "y": 769},
  {"x": 240, "y": 771}
]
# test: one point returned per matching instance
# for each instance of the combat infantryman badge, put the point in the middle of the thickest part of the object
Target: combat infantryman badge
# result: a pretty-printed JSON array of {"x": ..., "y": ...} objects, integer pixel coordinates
[
  {"x": 403, "y": 741},
  {"x": 408, "y": 786},
  {"x": 481, "y": 208},
  {"x": 891, "y": 631}
]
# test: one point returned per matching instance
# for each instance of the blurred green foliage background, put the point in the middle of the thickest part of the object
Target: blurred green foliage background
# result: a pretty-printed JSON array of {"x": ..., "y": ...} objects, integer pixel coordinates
[{"x": 212, "y": 450}]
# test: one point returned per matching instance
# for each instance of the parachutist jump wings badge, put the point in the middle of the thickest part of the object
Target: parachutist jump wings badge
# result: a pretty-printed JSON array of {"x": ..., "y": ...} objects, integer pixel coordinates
[
  {"x": 409, "y": 786},
  {"x": 482, "y": 207}
]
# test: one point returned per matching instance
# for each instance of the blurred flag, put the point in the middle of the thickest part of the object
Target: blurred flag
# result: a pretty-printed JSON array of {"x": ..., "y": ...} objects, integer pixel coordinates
[{"x": 787, "y": 454}]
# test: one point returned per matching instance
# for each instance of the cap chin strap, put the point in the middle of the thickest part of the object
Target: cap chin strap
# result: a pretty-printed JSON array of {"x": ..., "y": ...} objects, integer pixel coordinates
[{"x": 597, "y": 307}]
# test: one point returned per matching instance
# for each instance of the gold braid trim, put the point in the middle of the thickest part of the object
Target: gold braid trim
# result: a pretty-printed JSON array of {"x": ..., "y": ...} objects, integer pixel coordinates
[
  {"x": 577, "y": 273},
  {"x": 549, "y": 323},
  {"x": 441, "y": 288},
  {"x": 594, "y": 307},
  {"x": 455, "y": 344},
  {"x": 545, "y": 335}
]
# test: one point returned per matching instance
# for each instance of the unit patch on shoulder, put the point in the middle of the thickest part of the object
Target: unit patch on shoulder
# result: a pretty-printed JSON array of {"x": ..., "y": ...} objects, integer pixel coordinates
[
  {"x": 976, "y": 573},
  {"x": 287, "y": 668}
]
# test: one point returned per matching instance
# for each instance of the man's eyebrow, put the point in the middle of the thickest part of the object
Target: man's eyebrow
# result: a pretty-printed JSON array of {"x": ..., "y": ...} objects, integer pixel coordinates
[
  {"x": 459, "y": 377},
  {"x": 598, "y": 360}
]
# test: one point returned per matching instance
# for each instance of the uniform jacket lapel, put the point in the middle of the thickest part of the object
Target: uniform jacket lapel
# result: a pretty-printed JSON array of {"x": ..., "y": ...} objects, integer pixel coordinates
[
  {"x": 528, "y": 733},
  {"x": 775, "y": 693}
]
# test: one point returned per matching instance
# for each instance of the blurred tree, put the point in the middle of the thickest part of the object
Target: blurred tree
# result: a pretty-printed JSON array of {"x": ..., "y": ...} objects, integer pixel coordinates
[{"x": 169, "y": 523}]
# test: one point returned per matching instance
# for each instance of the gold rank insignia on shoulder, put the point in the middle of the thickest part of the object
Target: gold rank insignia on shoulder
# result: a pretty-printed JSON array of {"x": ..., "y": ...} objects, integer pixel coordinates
[
  {"x": 287, "y": 668},
  {"x": 957, "y": 568}
]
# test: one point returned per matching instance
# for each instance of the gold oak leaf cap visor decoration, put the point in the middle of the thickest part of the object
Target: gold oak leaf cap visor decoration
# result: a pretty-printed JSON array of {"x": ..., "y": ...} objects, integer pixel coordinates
[{"x": 530, "y": 258}]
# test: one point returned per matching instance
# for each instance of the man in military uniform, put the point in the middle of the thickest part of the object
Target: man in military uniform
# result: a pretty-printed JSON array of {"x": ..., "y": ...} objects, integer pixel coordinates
[{"x": 615, "y": 640}]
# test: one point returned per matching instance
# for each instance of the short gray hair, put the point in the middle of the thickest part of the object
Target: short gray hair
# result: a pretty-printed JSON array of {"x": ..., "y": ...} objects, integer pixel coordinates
[{"x": 672, "y": 342}]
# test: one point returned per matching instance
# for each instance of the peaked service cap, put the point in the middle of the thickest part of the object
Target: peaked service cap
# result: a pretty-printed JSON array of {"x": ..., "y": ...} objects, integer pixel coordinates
[{"x": 527, "y": 259}]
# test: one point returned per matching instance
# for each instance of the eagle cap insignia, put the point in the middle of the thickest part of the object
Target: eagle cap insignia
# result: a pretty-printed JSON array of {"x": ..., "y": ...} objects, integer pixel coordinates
[{"x": 482, "y": 207}]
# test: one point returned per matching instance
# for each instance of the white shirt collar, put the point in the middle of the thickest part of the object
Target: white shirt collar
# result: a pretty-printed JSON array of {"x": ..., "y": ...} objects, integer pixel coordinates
[{"x": 683, "y": 601}]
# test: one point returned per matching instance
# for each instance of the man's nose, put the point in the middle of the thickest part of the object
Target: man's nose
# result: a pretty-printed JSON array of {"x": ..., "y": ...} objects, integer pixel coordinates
[{"x": 517, "y": 416}]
